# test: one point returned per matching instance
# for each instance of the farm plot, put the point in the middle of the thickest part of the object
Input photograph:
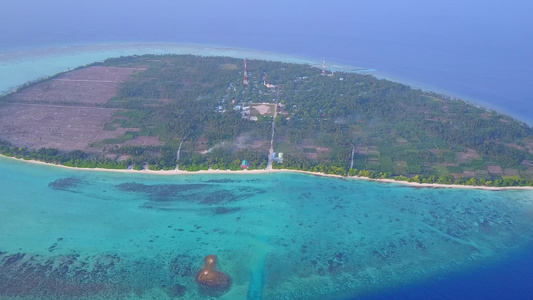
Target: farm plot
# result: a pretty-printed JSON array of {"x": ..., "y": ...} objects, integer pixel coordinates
[
  {"x": 51, "y": 126},
  {"x": 90, "y": 86},
  {"x": 66, "y": 112}
]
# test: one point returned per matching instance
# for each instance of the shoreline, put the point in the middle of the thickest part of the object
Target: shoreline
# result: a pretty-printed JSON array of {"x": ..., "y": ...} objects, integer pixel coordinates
[{"x": 272, "y": 171}]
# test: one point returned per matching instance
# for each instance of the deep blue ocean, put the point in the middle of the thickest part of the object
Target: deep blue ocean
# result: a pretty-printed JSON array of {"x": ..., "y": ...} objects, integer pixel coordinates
[
  {"x": 507, "y": 279},
  {"x": 475, "y": 50}
]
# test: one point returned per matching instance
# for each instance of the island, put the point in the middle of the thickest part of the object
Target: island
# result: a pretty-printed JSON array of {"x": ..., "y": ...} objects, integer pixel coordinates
[{"x": 186, "y": 112}]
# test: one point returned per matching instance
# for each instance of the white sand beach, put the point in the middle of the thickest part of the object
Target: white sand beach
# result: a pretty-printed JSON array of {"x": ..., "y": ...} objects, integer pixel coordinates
[{"x": 265, "y": 171}]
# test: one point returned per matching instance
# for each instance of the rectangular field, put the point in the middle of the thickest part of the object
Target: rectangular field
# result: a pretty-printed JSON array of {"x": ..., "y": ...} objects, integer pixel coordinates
[
  {"x": 51, "y": 126},
  {"x": 90, "y": 86}
]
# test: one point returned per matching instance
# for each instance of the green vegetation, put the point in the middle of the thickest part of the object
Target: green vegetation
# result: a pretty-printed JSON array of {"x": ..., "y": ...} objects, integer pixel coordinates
[
  {"x": 395, "y": 131},
  {"x": 75, "y": 158}
]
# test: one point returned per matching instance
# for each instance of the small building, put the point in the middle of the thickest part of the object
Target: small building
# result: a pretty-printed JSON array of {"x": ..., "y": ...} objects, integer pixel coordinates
[
  {"x": 245, "y": 164},
  {"x": 277, "y": 157}
]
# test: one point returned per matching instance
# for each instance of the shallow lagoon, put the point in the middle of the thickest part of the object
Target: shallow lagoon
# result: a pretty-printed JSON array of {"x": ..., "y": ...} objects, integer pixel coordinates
[{"x": 103, "y": 235}]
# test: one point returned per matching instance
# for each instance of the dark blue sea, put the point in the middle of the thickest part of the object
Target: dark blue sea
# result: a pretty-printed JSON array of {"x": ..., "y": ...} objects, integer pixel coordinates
[
  {"x": 507, "y": 279},
  {"x": 475, "y": 50}
]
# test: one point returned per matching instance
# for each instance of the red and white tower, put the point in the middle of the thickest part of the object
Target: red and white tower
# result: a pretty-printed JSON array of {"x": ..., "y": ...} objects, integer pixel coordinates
[
  {"x": 245, "y": 80},
  {"x": 323, "y": 66}
]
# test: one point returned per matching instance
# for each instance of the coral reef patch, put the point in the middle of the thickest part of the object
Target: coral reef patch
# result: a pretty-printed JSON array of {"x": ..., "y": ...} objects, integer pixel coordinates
[
  {"x": 162, "y": 196},
  {"x": 66, "y": 184}
]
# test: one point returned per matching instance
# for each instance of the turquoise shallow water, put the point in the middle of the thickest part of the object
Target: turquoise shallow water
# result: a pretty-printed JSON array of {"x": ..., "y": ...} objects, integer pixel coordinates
[{"x": 102, "y": 235}]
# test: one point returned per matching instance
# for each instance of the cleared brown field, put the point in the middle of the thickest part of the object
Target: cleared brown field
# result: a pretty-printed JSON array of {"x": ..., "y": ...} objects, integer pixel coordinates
[
  {"x": 66, "y": 112},
  {"x": 464, "y": 157},
  {"x": 251, "y": 141},
  {"x": 116, "y": 74},
  {"x": 510, "y": 172},
  {"x": 144, "y": 141},
  {"x": 265, "y": 109},
  {"x": 495, "y": 169},
  {"x": 90, "y": 86},
  {"x": 52, "y": 126}
]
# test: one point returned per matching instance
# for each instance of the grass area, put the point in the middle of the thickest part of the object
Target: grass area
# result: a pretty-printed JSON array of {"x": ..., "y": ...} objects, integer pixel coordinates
[
  {"x": 441, "y": 170},
  {"x": 120, "y": 139}
]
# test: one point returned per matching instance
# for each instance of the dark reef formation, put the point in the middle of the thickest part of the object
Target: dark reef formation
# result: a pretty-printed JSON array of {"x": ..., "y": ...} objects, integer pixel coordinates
[
  {"x": 178, "y": 290},
  {"x": 57, "y": 277},
  {"x": 222, "y": 210},
  {"x": 66, "y": 184},
  {"x": 98, "y": 276},
  {"x": 213, "y": 282},
  {"x": 166, "y": 196}
]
